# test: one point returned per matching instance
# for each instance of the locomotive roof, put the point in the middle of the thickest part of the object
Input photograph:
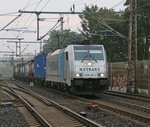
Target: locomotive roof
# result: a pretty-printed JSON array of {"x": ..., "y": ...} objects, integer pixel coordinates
[{"x": 72, "y": 45}]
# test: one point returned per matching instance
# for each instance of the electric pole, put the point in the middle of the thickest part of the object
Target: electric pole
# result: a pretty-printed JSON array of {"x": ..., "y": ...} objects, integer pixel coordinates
[
  {"x": 18, "y": 45},
  {"x": 132, "y": 46}
]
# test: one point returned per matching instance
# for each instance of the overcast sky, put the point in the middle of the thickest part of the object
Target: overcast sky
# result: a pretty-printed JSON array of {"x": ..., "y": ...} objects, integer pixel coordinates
[{"x": 29, "y": 20}]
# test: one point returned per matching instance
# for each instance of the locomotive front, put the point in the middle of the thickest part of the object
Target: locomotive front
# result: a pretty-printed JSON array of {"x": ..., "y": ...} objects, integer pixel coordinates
[{"x": 90, "y": 71}]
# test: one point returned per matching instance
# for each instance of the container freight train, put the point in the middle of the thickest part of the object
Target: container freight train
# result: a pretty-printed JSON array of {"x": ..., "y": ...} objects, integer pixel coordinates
[{"x": 79, "y": 69}]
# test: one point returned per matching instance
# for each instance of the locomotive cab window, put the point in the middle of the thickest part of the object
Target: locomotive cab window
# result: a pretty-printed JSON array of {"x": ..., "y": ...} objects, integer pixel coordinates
[{"x": 88, "y": 53}]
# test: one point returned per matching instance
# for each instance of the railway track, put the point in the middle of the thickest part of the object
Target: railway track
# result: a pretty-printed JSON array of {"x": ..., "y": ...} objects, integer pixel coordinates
[
  {"x": 14, "y": 101},
  {"x": 130, "y": 112},
  {"x": 130, "y": 96},
  {"x": 142, "y": 102},
  {"x": 139, "y": 111},
  {"x": 50, "y": 113},
  {"x": 126, "y": 111}
]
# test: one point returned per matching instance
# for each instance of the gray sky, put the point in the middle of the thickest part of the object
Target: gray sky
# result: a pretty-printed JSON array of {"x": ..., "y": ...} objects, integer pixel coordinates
[{"x": 29, "y": 20}]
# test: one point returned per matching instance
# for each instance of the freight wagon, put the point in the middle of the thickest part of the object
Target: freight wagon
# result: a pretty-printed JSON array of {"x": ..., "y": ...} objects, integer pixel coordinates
[{"x": 39, "y": 68}]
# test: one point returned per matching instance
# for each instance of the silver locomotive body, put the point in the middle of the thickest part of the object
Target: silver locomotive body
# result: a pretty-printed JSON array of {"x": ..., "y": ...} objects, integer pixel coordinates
[{"x": 78, "y": 68}]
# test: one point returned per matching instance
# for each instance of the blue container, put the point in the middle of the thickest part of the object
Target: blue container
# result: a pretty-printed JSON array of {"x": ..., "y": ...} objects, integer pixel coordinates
[{"x": 40, "y": 66}]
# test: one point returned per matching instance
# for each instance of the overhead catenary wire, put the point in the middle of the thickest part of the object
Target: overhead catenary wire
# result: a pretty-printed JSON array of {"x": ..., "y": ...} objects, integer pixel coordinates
[
  {"x": 13, "y": 19},
  {"x": 106, "y": 28},
  {"x": 28, "y": 18},
  {"x": 29, "y": 22},
  {"x": 23, "y": 50},
  {"x": 117, "y": 4},
  {"x": 43, "y": 7},
  {"x": 23, "y": 31},
  {"x": 47, "y": 1},
  {"x": 112, "y": 30},
  {"x": 31, "y": 15},
  {"x": 17, "y": 23},
  {"x": 27, "y": 5},
  {"x": 34, "y": 10},
  {"x": 92, "y": 2}
]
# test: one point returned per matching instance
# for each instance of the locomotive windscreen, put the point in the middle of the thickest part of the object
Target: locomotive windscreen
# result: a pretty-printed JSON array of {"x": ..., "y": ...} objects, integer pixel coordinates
[{"x": 88, "y": 52}]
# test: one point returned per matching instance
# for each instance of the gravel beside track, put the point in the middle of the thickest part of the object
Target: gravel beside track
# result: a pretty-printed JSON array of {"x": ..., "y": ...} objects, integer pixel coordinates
[
  {"x": 78, "y": 106},
  {"x": 10, "y": 116}
]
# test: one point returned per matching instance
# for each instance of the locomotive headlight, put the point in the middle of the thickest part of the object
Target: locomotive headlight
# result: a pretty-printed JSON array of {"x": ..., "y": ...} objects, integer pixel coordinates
[
  {"x": 89, "y": 63},
  {"x": 102, "y": 75},
  {"x": 77, "y": 75}
]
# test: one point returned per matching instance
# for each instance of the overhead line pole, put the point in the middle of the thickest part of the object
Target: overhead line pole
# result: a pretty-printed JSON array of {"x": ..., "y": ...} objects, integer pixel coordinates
[
  {"x": 132, "y": 47},
  {"x": 37, "y": 14},
  {"x": 19, "y": 46},
  {"x": 38, "y": 19}
]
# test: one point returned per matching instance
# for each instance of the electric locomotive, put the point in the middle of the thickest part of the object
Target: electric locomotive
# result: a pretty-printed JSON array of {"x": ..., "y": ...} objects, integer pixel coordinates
[{"x": 78, "y": 68}]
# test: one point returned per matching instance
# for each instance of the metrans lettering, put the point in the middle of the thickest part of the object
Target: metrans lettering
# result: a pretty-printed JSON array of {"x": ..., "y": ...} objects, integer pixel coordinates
[{"x": 89, "y": 69}]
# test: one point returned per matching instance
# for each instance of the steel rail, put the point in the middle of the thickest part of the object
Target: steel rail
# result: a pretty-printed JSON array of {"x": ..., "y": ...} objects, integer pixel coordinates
[
  {"x": 109, "y": 107},
  {"x": 42, "y": 121},
  {"x": 69, "y": 112},
  {"x": 127, "y": 95}
]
